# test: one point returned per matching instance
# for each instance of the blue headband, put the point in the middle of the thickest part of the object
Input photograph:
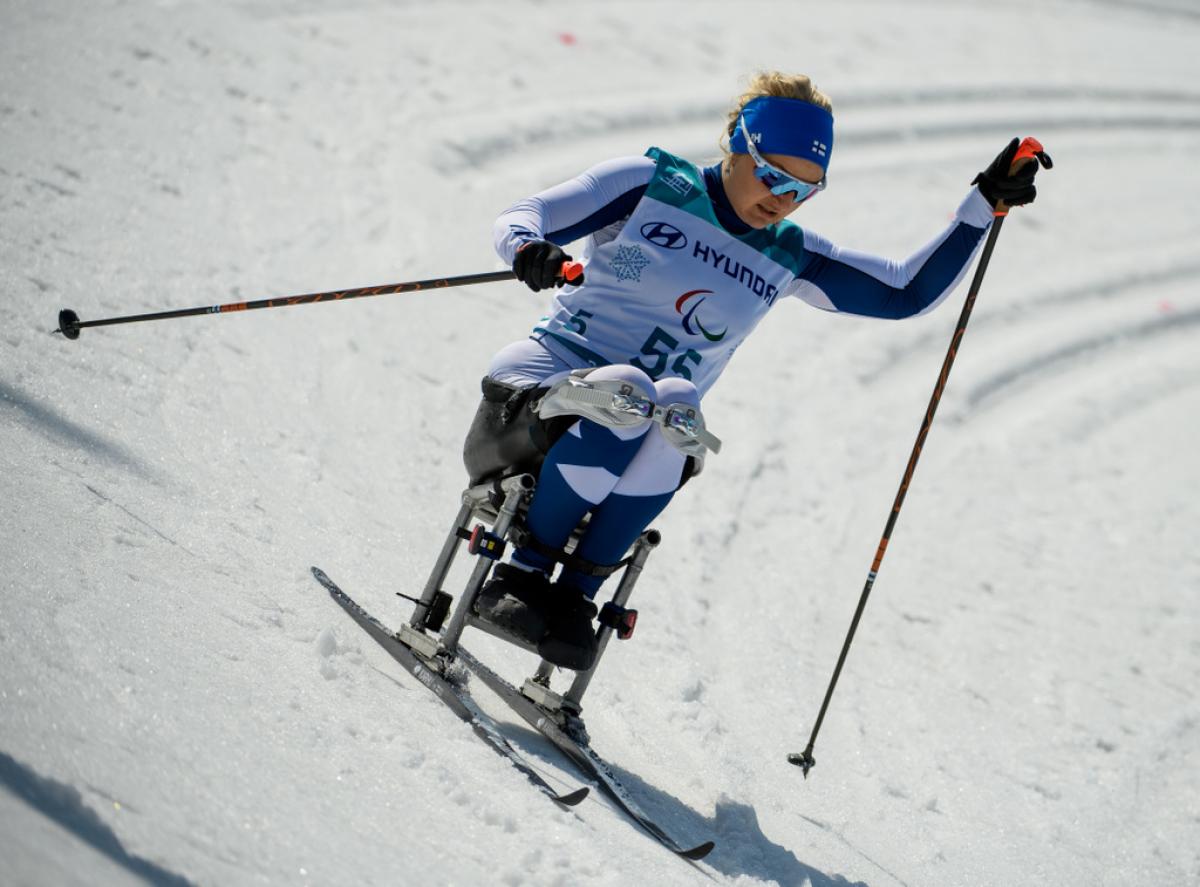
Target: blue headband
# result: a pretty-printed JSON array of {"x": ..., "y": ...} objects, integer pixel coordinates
[{"x": 786, "y": 126}]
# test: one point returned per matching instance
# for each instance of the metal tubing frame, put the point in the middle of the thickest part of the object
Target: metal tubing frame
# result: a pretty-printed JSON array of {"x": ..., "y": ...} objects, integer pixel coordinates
[
  {"x": 477, "y": 501},
  {"x": 515, "y": 488},
  {"x": 442, "y": 566},
  {"x": 573, "y": 698}
]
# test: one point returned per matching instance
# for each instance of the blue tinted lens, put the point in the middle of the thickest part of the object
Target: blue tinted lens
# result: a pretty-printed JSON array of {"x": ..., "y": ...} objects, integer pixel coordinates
[
  {"x": 781, "y": 184},
  {"x": 769, "y": 178}
]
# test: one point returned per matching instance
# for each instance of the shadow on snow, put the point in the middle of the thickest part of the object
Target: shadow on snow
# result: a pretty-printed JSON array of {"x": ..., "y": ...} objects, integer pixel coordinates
[
  {"x": 742, "y": 848},
  {"x": 64, "y": 805},
  {"x": 62, "y": 430}
]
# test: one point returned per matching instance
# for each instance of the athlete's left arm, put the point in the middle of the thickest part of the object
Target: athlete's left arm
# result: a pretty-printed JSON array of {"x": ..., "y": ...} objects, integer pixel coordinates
[{"x": 851, "y": 282}]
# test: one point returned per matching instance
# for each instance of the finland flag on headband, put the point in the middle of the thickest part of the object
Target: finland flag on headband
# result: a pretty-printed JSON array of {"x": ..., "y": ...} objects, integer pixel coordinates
[{"x": 786, "y": 126}]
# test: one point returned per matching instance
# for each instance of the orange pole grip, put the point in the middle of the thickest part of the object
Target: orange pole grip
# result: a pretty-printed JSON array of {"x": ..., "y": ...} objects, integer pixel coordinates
[
  {"x": 572, "y": 271},
  {"x": 1028, "y": 150}
]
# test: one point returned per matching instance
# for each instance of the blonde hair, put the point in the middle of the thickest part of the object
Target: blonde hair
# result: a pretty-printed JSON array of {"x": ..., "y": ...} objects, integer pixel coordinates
[{"x": 778, "y": 85}]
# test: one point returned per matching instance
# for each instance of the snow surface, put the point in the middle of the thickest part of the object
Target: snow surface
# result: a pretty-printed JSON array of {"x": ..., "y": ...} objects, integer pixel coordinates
[{"x": 181, "y": 703}]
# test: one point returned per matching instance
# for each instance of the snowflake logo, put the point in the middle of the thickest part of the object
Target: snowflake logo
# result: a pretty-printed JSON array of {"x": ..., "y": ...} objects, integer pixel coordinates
[{"x": 629, "y": 262}]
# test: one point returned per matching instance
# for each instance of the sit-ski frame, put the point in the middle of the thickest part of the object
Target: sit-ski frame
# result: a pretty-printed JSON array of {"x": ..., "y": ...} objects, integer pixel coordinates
[{"x": 501, "y": 504}]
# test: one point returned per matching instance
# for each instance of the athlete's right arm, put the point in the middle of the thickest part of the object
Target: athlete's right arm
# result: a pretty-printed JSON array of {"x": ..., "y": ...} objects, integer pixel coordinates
[{"x": 605, "y": 194}]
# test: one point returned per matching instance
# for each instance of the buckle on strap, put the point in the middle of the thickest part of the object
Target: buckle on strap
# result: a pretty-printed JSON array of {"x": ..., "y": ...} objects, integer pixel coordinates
[
  {"x": 683, "y": 426},
  {"x": 619, "y": 404},
  {"x": 617, "y": 401},
  {"x": 609, "y": 402}
]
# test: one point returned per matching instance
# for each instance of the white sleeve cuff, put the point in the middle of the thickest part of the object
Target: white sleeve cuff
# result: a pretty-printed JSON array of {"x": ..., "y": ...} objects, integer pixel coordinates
[{"x": 975, "y": 210}]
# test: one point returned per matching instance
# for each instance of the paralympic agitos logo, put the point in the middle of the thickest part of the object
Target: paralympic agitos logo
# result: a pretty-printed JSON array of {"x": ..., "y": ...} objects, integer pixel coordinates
[
  {"x": 664, "y": 235},
  {"x": 691, "y": 320}
]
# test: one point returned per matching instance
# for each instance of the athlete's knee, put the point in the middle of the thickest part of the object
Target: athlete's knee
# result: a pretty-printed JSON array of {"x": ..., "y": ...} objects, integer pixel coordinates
[
  {"x": 619, "y": 397},
  {"x": 682, "y": 422},
  {"x": 623, "y": 372},
  {"x": 675, "y": 390}
]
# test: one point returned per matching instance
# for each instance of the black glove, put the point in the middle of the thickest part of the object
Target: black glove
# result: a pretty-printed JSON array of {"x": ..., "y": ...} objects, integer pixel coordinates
[
  {"x": 1017, "y": 189},
  {"x": 539, "y": 265}
]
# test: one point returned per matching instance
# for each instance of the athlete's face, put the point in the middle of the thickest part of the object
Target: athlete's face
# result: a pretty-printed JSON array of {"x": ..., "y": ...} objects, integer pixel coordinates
[{"x": 751, "y": 199}]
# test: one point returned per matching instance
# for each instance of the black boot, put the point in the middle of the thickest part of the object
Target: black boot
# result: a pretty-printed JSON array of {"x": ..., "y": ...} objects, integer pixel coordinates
[
  {"x": 570, "y": 640},
  {"x": 515, "y": 601}
]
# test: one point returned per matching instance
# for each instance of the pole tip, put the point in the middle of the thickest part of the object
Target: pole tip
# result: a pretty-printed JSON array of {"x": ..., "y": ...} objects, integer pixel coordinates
[
  {"x": 68, "y": 323},
  {"x": 804, "y": 761}
]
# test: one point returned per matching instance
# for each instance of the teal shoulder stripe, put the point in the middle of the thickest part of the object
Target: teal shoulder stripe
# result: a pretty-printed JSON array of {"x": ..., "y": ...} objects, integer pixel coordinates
[
  {"x": 678, "y": 183},
  {"x": 596, "y": 360},
  {"x": 782, "y": 243}
]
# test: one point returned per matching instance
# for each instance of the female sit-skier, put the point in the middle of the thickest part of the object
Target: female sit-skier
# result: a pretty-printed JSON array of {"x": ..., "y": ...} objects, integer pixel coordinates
[{"x": 680, "y": 265}]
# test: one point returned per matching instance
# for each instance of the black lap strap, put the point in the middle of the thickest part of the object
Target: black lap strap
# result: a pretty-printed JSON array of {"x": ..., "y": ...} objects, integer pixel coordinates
[{"x": 522, "y": 538}]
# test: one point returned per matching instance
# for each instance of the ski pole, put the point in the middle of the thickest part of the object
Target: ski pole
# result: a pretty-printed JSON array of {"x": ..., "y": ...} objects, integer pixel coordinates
[
  {"x": 69, "y": 323},
  {"x": 1030, "y": 150}
]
